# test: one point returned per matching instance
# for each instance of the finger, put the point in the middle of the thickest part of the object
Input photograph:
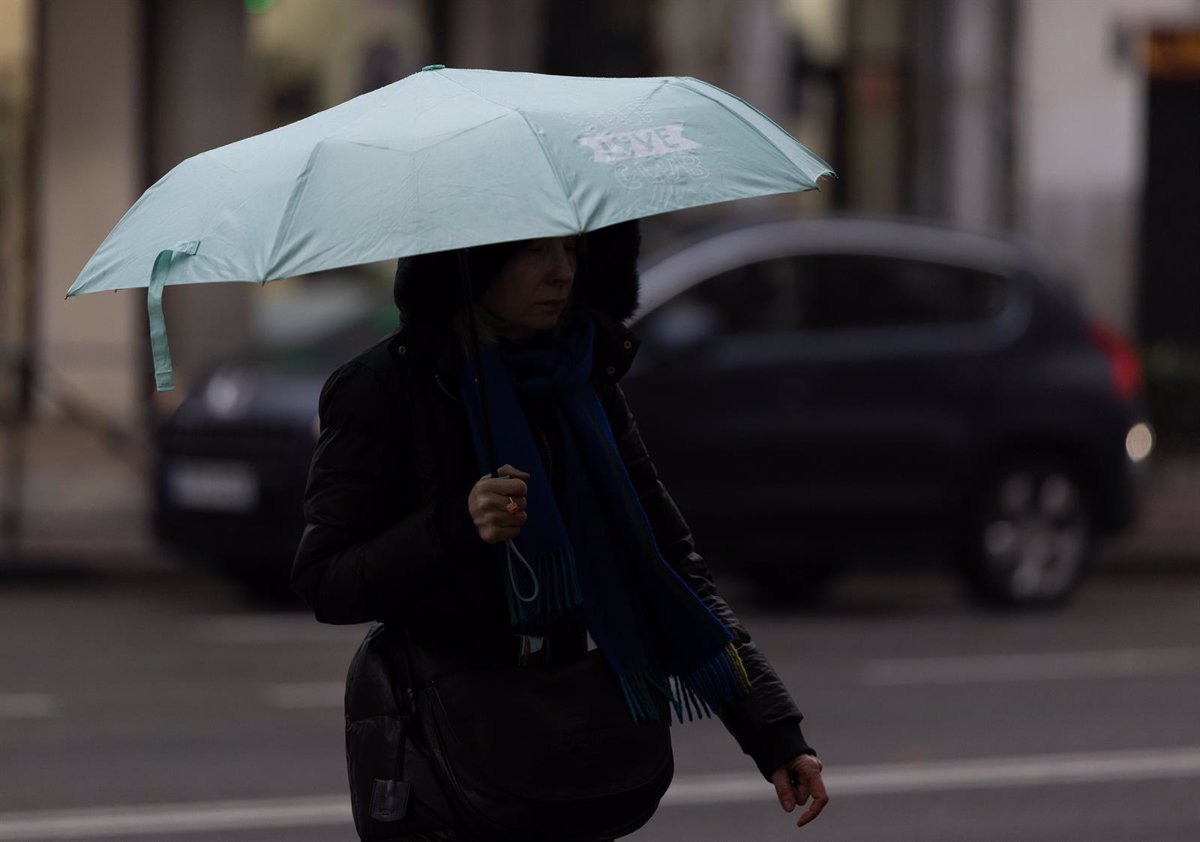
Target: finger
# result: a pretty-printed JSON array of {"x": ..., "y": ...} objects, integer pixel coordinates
[
  {"x": 512, "y": 472},
  {"x": 783, "y": 789},
  {"x": 504, "y": 487},
  {"x": 819, "y": 800},
  {"x": 812, "y": 812},
  {"x": 500, "y": 502},
  {"x": 503, "y": 520},
  {"x": 802, "y": 792}
]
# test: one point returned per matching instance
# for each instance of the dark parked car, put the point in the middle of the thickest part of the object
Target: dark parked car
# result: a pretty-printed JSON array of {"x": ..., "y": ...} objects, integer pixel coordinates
[
  {"x": 232, "y": 459},
  {"x": 813, "y": 392}
]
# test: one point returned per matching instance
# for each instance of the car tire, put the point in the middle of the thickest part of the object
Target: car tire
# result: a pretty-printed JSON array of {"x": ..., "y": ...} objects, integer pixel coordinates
[{"x": 1030, "y": 536}]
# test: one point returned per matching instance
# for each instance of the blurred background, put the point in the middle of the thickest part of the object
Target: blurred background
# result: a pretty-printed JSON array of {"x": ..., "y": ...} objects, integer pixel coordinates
[{"x": 987, "y": 326}]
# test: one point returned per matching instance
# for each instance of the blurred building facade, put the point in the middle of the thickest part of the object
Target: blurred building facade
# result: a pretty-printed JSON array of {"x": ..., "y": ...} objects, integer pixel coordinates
[
  {"x": 1095, "y": 176},
  {"x": 1032, "y": 115}
]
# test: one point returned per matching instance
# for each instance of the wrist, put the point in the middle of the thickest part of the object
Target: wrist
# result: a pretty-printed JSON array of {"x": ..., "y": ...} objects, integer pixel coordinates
[{"x": 776, "y": 745}]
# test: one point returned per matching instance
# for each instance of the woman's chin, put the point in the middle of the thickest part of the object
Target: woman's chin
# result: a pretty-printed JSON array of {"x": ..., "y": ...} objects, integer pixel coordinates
[{"x": 541, "y": 323}]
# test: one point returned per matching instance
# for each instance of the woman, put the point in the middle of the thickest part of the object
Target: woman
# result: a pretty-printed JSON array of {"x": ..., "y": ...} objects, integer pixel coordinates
[{"x": 506, "y": 571}]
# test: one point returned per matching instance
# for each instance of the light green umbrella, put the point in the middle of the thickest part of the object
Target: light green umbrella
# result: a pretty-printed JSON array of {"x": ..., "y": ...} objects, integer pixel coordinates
[{"x": 442, "y": 159}]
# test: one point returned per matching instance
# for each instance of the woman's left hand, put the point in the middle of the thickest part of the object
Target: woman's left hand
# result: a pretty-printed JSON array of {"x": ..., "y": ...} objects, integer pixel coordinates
[{"x": 797, "y": 780}]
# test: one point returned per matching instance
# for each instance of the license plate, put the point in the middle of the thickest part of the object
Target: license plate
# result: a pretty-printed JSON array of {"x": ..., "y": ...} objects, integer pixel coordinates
[{"x": 213, "y": 486}]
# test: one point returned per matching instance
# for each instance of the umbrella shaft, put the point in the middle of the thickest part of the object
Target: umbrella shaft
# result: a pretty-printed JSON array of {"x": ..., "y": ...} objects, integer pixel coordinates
[{"x": 464, "y": 276}]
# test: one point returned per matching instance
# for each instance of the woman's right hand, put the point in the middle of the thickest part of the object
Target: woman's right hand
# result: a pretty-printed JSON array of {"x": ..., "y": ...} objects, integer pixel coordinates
[{"x": 490, "y": 502}]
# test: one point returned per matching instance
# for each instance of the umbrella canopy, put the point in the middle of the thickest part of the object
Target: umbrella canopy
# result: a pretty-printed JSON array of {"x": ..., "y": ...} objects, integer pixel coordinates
[{"x": 443, "y": 159}]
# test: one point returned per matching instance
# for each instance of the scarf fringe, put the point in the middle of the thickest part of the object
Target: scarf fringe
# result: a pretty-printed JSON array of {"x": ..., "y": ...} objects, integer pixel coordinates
[
  {"x": 640, "y": 690},
  {"x": 557, "y": 583},
  {"x": 699, "y": 694}
]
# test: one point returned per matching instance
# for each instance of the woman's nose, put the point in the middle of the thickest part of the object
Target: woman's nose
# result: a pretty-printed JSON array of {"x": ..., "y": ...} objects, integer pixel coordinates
[{"x": 563, "y": 270}]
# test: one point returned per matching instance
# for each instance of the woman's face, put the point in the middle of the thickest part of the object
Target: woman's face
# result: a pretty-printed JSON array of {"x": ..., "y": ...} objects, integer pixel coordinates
[{"x": 531, "y": 289}]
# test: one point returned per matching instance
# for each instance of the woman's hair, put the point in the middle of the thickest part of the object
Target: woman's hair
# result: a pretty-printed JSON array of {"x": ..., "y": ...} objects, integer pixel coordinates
[{"x": 428, "y": 289}]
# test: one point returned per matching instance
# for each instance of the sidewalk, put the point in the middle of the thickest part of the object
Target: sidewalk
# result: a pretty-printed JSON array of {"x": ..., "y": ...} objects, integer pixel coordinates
[
  {"x": 85, "y": 504},
  {"x": 1167, "y": 532}
]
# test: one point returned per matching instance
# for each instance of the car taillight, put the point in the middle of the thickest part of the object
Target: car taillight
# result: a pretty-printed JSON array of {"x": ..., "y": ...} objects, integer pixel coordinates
[{"x": 1124, "y": 365}]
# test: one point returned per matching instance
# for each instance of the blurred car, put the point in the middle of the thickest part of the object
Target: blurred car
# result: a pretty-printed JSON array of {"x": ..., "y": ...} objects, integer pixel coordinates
[
  {"x": 819, "y": 390},
  {"x": 813, "y": 392},
  {"x": 231, "y": 461}
]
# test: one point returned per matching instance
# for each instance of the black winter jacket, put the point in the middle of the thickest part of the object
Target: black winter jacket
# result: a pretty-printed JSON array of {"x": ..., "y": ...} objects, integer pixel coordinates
[{"x": 389, "y": 537}]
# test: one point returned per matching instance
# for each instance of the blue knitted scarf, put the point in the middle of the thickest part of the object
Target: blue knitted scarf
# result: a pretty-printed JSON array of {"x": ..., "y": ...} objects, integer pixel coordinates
[{"x": 595, "y": 548}]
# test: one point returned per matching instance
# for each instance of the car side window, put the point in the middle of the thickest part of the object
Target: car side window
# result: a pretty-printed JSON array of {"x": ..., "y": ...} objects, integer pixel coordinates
[
  {"x": 862, "y": 291},
  {"x": 756, "y": 298}
]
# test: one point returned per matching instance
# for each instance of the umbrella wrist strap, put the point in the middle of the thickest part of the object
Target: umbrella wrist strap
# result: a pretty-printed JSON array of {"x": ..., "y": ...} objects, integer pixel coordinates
[
  {"x": 164, "y": 376},
  {"x": 510, "y": 551}
]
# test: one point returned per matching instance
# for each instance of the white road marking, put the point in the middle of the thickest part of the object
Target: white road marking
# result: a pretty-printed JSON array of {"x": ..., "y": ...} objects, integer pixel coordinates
[
  {"x": 313, "y": 694},
  {"x": 161, "y": 819},
  {"x": 28, "y": 706},
  {"x": 986, "y": 773},
  {"x": 725, "y": 788},
  {"x": 1117, "y": 663},
  {"x": 258, "y": 629}
]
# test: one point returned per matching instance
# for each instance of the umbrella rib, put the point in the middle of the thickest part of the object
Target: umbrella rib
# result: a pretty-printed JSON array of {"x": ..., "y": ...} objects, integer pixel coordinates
[
  {"x": 686, "y": 82},
  {"x": 289, "y": 209},
  {"x": 553, "y": 168},
  {"x": 549, "y": 160}
]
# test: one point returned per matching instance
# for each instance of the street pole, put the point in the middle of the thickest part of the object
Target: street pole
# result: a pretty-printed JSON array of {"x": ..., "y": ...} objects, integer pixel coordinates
[{"x": 15, "y": 417}]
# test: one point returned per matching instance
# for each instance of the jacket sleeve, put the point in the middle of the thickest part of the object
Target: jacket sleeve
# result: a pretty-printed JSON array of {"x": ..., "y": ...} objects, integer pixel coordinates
[
  {"x": 368, "y": 545},
  {"x": 766, "y": 724}
]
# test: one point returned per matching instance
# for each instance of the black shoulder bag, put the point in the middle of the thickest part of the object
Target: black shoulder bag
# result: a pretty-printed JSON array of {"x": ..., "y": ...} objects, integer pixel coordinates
[{"x": 527, "y": 753}]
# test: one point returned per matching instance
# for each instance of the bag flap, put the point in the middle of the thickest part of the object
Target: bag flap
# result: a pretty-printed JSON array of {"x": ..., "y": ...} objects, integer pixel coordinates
[{"x": 547, "y": 733}]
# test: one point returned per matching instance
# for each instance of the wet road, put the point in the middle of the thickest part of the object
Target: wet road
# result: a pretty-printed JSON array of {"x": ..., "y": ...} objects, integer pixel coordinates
[{"x": 163, "y": 706}]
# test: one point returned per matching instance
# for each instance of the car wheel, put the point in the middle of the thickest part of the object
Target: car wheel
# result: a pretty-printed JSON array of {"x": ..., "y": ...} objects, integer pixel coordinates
[{"x": 1031, "y": 536}]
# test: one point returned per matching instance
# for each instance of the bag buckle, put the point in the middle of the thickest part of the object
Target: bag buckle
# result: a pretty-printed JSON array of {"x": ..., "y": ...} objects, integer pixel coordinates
[{"x": 533, "y": 650}]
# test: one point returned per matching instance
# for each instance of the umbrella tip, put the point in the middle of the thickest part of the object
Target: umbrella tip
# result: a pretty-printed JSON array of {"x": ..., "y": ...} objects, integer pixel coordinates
[{"x": 433, "y": 67}]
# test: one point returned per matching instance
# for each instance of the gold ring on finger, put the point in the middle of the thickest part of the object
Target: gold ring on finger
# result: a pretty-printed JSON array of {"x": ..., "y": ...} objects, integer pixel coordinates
[{"x": 512, "y": 508}]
